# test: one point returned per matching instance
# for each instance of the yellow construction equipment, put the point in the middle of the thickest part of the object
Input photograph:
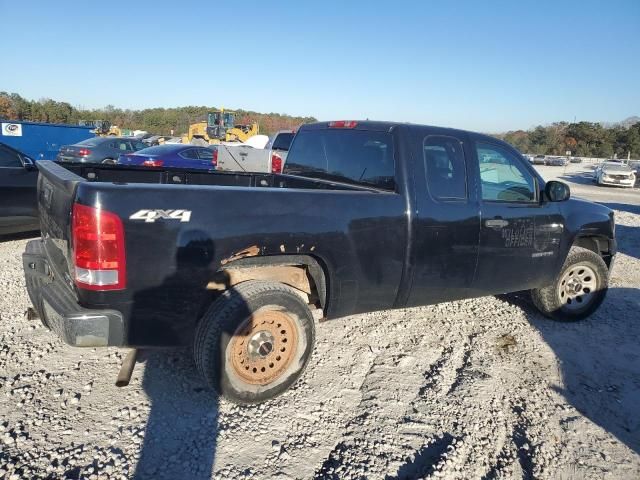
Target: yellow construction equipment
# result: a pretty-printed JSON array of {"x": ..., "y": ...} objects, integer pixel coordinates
[
  {"x": 219, "y": 127},
  {"x": 102, "y": 128}
]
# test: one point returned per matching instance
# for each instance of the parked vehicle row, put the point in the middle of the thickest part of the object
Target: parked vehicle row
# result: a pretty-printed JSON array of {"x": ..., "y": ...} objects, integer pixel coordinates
[{"x": 552, "y": 160}]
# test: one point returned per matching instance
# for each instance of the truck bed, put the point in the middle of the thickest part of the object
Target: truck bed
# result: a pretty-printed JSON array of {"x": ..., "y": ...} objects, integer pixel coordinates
[
  {"x": 120, "y": 174},
  {"x": 182, "y": 227}
]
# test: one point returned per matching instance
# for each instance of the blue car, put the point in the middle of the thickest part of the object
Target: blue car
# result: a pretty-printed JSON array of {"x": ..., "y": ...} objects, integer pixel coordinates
[{"x": 174, "y": 155}]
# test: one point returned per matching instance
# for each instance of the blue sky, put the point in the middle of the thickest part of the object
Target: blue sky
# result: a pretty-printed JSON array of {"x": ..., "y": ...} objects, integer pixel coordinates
[{"x": 481, "y": 65}]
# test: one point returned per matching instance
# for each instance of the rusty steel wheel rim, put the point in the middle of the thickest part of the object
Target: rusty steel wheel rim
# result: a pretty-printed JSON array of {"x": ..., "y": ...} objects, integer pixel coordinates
[{"x": 263, "y": 346}]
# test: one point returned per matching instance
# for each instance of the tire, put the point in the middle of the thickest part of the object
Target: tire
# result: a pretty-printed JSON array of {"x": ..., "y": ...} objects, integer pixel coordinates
[
  {"x": 240, "y": 348},
  {"x": 109, "y": 161},
  {"x": 577, "y": 291}
]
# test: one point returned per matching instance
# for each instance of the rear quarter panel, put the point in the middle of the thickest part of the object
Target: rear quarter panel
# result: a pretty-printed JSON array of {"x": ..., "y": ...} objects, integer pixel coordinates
[{"x": 358, "y": 236}]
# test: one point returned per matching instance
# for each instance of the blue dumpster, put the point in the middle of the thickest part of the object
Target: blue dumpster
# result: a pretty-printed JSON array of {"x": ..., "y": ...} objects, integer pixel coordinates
[{"x": 42, "y": 141}]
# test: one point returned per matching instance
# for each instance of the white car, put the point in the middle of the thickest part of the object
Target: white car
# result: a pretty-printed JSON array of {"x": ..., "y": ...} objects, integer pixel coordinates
[{"x": 614, "y": 172}]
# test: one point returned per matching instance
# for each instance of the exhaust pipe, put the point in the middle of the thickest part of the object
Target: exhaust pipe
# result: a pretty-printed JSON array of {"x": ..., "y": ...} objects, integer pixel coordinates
[{"x": 126, "y": 370}]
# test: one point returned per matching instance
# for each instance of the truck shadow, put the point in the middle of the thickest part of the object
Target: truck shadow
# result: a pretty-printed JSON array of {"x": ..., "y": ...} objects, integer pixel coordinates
[
  {"x": 625, "y": 207},
  {"x": 181, "y": 433},
  {"x": 599, "y": 361},
  {"x": 628, "y": 240},
  {"x": 580, "y": 178},
  {"x": 182, "y": 428}
]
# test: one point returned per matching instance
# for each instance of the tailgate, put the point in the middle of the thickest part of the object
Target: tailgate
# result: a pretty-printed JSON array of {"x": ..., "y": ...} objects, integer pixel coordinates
[
  {"x": 242, "y": 158},
  {"x": 56, "y": 194}
]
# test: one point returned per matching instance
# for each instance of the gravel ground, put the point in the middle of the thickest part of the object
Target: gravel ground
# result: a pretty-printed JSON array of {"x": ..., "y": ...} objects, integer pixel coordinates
[{"x": 484, "y": 388}]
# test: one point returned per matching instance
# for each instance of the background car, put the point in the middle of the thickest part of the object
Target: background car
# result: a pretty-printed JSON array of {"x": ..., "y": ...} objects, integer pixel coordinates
[
  {"x": 538, "y": 160},
  {"x": 575, "y": 160},
  {"x": 172, "y": 155},
  {"x": 556, "y": 161},
  {"x": 616, "y": 173},
  {"x": 99, "y": 149},
  {"x": 18, "y": 193}
]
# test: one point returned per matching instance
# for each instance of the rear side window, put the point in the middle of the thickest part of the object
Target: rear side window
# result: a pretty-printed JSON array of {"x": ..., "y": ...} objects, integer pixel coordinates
[
  {"x": 191, "y": 154},
  {"x": 282, "y": 141},
  {"x": 205, "y": 153},
  {"x": 445, "y": 168},
  {"x": 344, "y": 155}
]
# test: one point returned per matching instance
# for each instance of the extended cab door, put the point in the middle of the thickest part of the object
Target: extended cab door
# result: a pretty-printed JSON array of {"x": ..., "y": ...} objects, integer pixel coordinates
[
  {"x": 519, "y": 234},
  {"x": 447, "y": 223}
]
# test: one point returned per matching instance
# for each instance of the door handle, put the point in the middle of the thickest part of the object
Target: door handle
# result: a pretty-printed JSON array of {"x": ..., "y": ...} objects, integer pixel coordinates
[{"x": 496, "y": 223}]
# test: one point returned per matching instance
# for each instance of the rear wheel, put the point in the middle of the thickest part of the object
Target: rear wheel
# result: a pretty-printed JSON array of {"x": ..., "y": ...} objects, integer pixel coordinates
[
  {"x": 255, "y": 341},
  {"x": 109, "y": 161},
  {"x": 578, "y": 290}
]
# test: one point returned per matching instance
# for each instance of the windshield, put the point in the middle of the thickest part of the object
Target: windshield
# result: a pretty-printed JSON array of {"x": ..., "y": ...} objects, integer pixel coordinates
[
  {"x": 282, "y": 141},
  {"x": 227, "y": 119}
]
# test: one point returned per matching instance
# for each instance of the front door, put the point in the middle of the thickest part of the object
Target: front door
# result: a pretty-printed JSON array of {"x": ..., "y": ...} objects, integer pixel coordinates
[{"x": 516, "y": 231}]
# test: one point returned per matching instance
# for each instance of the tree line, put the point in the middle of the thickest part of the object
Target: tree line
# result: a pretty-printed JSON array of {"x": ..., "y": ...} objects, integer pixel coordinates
[
  {"x": 160, "y": 121},
  {"x": 582, "y": 139}
]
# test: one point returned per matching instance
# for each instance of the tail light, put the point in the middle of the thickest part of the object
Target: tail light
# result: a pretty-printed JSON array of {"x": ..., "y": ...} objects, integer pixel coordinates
[
  {"x": 98, "y": 249},
  {"x": 276, "y": 163},
  {"x": 83, "y": 152},
  {"x": 214, "y": 159},
  {"x": 343, "y": 124},
  {"x": 153, "y": 163}
]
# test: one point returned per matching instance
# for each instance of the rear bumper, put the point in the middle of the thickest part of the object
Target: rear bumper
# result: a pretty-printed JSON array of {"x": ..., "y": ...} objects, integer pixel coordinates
[{"x": 59, "y": 309}]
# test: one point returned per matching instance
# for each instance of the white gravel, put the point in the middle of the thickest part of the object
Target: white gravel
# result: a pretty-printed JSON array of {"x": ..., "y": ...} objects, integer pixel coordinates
[{"x": 485, "y": 388}]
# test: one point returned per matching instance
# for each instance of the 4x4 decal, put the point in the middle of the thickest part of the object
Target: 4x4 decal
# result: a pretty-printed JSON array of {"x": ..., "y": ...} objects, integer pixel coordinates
[{"x": 150, "y": 216}]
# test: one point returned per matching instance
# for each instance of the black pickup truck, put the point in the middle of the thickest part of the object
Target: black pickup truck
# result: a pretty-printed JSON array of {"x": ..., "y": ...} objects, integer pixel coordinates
[{"x": 366, "y": 216}]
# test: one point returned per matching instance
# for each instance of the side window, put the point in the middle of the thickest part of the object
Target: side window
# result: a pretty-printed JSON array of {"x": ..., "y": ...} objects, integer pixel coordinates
[
  {"x": 122, "y": 145},
  {"x": 9, "y": 158},
  {"x": 205, "y": 153},
  {"x": 444, "y": 166},
  {"x": 190, "y": 154},
  {"x": 344, "y": 155},
  {"x": 502, "y": 176}
]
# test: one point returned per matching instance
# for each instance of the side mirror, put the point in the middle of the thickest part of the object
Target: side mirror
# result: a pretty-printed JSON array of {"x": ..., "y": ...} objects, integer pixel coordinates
[
  {"x": 557, "y": 191},
  {"x": 28, "y": 163}
]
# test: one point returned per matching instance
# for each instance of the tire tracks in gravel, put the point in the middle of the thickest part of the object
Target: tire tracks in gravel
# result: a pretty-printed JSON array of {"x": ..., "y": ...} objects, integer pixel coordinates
[
  {"x": 466, "y": 411},
  {"x": 369, "y": 442}
]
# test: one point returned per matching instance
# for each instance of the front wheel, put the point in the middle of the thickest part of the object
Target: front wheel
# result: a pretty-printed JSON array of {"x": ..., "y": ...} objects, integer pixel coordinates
[
  {"x": 255, "y": 341},
  {"x": 578, "y": 290}
]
